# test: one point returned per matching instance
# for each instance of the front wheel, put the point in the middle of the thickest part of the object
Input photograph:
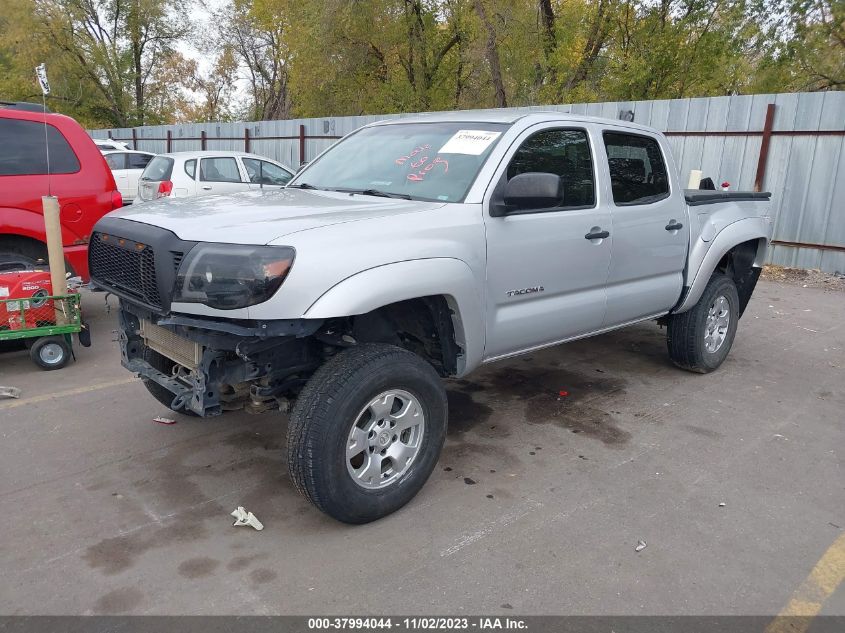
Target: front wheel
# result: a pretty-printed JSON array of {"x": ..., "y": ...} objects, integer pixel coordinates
[
  {"x": 699, "y": 339},
  {"x": 366, "y": 432}
]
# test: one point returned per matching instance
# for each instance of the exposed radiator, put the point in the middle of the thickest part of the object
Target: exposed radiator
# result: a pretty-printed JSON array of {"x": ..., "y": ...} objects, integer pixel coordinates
[{"x": 176, "y": 348}]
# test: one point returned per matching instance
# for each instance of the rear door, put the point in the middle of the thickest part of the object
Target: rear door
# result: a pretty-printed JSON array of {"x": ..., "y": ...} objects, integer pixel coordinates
[
  {"x": 220, "y": 174},
  {"x": 117, "y": 163},
  {"x": 546, "y": 279},
  {"x": 650, "y": 235},
  {"x": 136, "y": 162}
]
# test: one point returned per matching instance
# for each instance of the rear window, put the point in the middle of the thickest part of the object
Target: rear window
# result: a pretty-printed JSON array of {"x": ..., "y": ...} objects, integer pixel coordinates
[
  {"x": 138, "y": 161},
  {"x": 160, "y": 168},
  {"x": 116, "y": 161},
  {"x": 25, "y": 150}
]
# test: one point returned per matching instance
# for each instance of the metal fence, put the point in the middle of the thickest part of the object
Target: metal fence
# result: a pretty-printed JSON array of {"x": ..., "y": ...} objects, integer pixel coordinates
[{"x": 789, "y": 144}]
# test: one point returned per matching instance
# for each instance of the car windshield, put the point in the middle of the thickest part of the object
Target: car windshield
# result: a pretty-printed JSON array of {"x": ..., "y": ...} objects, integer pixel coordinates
[{"x": 420, "y": 161}]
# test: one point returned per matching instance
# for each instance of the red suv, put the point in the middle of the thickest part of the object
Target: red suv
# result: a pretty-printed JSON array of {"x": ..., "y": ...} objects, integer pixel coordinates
[{"x": 79, "y": 177}]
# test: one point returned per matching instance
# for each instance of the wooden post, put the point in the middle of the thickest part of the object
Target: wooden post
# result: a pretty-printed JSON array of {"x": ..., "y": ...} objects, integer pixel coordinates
[
  {"x": 301, "y": 144},
  {"x": 202, "y": 140},
  {"x": 134, "y": 138},
  {"x": 246, "y": 140},
  {"x": 169, "y": 141},
  {"x": 55, "y": 253},
  {"x": 764, "y": 148}
]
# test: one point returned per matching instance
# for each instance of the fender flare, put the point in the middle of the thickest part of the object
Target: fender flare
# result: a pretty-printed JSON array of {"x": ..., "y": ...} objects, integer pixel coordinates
[
  {"x": 746, "y": 230},
  {"x": 376, "y": 287}
]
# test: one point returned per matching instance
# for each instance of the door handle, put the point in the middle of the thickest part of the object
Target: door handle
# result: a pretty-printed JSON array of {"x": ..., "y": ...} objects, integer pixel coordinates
[
  {"x": 674, "y": 226},
  {"x": 207, "y": 188},
  {"x": 598, "y": 235}
]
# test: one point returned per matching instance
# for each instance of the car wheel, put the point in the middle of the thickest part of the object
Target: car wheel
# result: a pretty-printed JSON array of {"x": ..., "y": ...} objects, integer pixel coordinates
[
  {"x": 165, "y": 366},
  {"x": 366, "y": 432},
  {"x": 700, "y": 339},
  {"x": 50, "y": 352}
]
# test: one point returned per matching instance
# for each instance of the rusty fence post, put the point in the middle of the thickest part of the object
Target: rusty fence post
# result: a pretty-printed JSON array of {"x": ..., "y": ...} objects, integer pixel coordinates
[
  {"x": 169, "y": 141},
  {"x": 134, "y": 138},
  {"x": 246, "y": 140},
  {"x": 202, "y": 140},
  {"x": 301, "y": 144},
  {"x": 764, "y": 148}
]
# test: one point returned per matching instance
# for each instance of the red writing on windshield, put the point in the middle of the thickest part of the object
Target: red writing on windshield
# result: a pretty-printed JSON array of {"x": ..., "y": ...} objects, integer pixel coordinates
[
  {"x": 423, "y": 172},
  {"x": 417, "y": 150}
]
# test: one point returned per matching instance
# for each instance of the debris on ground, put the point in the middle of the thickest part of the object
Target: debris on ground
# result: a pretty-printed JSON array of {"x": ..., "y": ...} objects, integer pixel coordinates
[
  {"x": 562, "y": 393},
  {"x": 242, "y": 517},
  {"x": 641, "y": 545},
  {"x": 722, "y": 504},
  {"x": 10, "y": 392},
  {"x": 163, "y": 420},
  {"x": 804, "y": 278}
]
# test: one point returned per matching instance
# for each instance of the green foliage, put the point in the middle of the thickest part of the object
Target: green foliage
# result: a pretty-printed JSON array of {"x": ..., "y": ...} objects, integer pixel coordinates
[{"x": 122, "y": 62}]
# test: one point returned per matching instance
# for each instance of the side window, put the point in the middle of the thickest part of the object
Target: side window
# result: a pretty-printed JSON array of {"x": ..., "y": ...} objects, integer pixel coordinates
[
  {"x": 637, "y": 171},
  {"x": 138, "y": 161},
  {"x": 562, "y": 152},
  {"x": 25, "y": 152},
  {"x": 262, "y": 172},
  {"x": 116, "y": 161},
  {"x": 191, "y": 168},
  {"x": 219, "y": 170}
]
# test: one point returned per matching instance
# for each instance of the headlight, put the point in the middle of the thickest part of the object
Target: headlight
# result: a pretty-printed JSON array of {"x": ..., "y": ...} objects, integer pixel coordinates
[{"x": 230, "y": 276}]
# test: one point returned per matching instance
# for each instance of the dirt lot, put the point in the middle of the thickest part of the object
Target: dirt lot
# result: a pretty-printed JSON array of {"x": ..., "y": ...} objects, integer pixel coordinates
[{"x": 536, "y": 507}]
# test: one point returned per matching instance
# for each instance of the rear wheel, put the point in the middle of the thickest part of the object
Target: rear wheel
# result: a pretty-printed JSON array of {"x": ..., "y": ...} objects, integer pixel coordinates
[
  {"x": 50, "y": 352},
  {"x": 366, "y": 432},
  {"x": 165, "y": 366},
  {"x": 700, "y": 339}
]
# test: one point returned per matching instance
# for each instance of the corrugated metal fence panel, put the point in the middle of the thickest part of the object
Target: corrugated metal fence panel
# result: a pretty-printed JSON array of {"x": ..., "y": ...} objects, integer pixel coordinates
[{"x": 805, "y": 173}]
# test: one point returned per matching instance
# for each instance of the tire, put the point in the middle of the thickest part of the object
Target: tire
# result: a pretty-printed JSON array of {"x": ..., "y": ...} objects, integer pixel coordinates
[
  {"x": 687, "y": 331},
  {"x": 165, "y": 366},
  {"x": 348, "y": 392},
  {"x": 50, "y": 352}
]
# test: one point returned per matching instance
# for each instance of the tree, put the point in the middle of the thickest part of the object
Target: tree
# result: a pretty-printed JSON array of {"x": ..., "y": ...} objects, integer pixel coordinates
[{"x": 119, "y": 46}]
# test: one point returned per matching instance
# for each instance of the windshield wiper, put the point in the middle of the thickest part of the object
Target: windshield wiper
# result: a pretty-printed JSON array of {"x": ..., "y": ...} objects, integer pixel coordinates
[
  {"x": 376, "y": 192},
  {"x": 302, "y": 185}
]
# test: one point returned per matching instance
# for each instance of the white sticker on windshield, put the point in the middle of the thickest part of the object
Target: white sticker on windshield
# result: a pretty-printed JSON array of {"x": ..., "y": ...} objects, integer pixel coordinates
[{"x": 469, "y": 142}]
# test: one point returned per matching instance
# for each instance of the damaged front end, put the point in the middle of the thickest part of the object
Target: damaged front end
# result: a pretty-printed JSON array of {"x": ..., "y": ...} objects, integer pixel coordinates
[{"x": 220, "y": 365}]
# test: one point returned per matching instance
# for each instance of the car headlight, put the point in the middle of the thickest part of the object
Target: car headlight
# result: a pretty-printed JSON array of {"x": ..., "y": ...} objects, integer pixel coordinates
[{"x": 230, "y": 276}]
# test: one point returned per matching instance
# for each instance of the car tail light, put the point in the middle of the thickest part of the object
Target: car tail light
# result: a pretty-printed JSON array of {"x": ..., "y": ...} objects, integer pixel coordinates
[
  {"x": 116, "y": 199},
  {"x": 165, "y": 187}
]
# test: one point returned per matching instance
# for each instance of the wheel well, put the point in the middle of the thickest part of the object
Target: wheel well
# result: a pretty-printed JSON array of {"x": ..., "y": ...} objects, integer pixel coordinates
[
  {"x": 24, "y": 245},
  {"x": 422, "y": 325},
  {"x": 738, "y": 263}
]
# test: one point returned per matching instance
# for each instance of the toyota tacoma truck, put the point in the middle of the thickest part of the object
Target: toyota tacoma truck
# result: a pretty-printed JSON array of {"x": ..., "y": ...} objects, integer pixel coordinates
[{"x": 413, "y": 251}]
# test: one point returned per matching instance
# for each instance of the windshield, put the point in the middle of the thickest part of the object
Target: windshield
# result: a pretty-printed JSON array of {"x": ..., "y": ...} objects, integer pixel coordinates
[{"x": 420, "y": 161}]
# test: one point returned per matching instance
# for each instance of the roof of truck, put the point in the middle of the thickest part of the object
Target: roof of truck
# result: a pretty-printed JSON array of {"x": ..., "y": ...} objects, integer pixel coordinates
[{"x": 510, "y": 117}]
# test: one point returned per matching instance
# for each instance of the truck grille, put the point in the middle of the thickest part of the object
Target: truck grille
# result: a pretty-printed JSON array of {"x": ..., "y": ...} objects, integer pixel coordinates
[{"x": 126, "y": 266}]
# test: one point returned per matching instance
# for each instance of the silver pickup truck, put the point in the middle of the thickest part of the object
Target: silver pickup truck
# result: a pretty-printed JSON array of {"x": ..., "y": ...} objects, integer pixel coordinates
[{"x": 416, "y": 250}]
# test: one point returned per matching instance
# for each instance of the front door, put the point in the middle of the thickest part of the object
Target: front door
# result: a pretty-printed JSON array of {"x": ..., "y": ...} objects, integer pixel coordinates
[
  {"x": 650, "y": 234},
  {"x": 546, "y": 278}
]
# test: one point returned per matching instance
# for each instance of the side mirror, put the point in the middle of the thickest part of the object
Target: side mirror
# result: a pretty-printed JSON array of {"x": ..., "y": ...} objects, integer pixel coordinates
[{"x": 531, "y": 190}]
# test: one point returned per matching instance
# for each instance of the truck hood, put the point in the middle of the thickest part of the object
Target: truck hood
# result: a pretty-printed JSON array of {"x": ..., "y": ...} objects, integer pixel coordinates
[{"x": 259, "y": 217}]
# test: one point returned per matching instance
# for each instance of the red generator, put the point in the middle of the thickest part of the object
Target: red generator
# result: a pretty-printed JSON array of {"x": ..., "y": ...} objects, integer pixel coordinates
[{"x": 28, "y": 311}]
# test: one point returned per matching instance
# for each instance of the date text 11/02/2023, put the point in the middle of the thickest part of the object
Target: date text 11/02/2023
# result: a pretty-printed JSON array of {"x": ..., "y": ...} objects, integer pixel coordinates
[{"x": 418, "y": 623}]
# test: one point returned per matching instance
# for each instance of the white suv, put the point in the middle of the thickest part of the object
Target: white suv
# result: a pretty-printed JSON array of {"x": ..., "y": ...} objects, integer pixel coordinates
[{"x": 187, "y": 174}]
